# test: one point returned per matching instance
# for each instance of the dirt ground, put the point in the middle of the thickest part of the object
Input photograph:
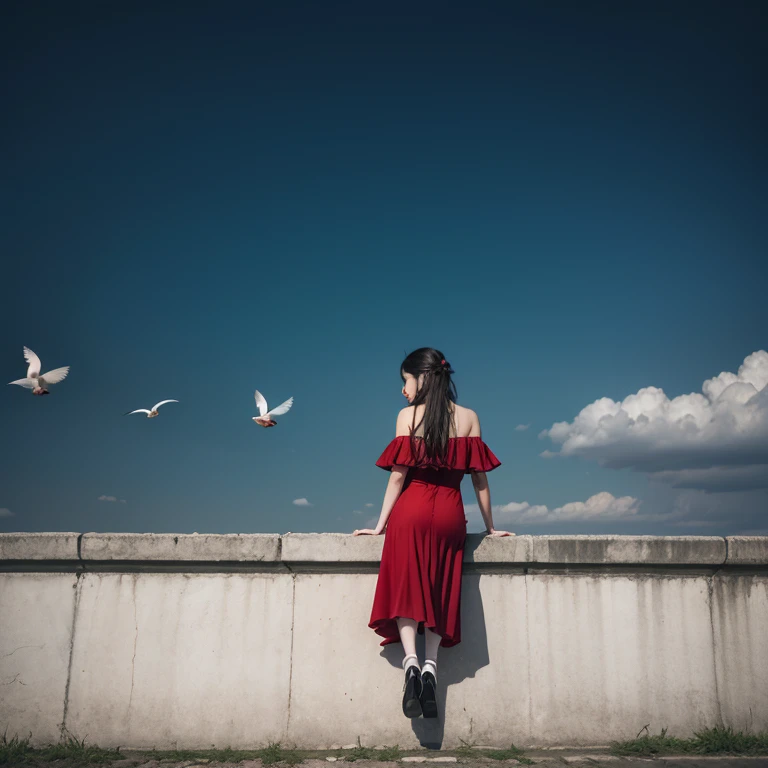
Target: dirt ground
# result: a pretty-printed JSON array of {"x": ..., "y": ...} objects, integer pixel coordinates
[{"x": 545, "y": 760}]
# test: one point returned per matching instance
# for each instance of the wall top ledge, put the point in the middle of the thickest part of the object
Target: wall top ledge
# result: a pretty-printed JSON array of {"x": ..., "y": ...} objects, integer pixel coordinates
[{"x": 343, "y": 548}]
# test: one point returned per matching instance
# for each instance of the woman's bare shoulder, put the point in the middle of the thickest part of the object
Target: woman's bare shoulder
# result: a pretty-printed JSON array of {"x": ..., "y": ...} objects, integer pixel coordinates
[
  {"x": 462, "y": 410},
  {"x": 468, "y": 421},
  {"x": 404, "y": 419}
]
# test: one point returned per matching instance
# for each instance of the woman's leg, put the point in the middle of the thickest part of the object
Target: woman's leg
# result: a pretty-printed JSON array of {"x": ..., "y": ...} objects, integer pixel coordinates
[
  {"x": 431, "y": 646},
  {"x": 429, "y": 673},
  {"x": 407, "y": 629},
  {"x": 412, "y": 686}
]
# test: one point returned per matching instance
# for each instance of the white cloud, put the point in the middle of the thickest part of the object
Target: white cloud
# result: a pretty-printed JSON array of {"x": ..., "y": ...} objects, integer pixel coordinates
[
  {"x": 693, "y": 511},
  {"x": 357, "y": 511},
  {"x": 110, "y": 498},
  {"x": 714, "y": 440},
  {"x": 602, "y": 506},
  {"x": 5, "y": 512},
  {"x": 521, "y": 427},
  {"x": 302, "y": 503},
  {"x": 369, "y": 504}
]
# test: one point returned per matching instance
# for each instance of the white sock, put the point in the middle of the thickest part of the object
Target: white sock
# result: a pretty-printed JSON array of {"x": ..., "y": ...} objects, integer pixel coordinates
[
  {"x": 430, "y": 665},
  {"x": 410, "y": 661}
]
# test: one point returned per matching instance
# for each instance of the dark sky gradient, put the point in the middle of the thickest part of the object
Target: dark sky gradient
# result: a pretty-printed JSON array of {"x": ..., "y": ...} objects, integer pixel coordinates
[{"x": 568, "y": 199}]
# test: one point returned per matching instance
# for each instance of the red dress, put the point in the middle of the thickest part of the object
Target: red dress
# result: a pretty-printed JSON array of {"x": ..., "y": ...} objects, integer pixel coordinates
[{"x": 421, "y": 561}]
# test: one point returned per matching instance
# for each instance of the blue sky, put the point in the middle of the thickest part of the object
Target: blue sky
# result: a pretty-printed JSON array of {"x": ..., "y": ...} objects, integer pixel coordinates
[{"x": 568, "y": 201}]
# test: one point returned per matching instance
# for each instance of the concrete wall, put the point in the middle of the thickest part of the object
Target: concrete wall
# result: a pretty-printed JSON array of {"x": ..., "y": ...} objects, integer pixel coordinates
[{"x": 147, "y": 640}]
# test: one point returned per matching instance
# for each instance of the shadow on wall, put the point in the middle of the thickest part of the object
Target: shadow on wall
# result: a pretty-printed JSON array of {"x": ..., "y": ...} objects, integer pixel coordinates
[{"x": 454, "y": 665}]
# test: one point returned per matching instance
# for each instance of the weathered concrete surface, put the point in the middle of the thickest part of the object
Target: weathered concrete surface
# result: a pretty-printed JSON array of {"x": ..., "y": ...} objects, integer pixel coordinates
[
  {"x": 609, "y": 655},
  {"x": 343, "y": 548},
  {"x": 210, "y": 547},
  {"x": 38, "y": 546},
  {"x": 194, "y": 660},
  {"x": 739, "y": 606},
  {"x": 330, "y": 548},
  {"x": 553, "y": 650},
  {"x": 747, "y": 550},
  {"x": 37, "y": 613},
  {"x": 657, "y": 550}
]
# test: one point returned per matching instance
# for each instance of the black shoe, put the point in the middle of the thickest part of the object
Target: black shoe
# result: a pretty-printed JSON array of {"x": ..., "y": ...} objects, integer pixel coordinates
[
  {"x": 412, "y": 692},
  {"x": 428, "y": 694}
]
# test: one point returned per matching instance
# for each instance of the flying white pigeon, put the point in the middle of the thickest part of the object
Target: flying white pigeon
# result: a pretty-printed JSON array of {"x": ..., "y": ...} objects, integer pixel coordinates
[
  {"x": 266, "y": 416},
  {"x": 153, "y": 411},
  {"x": 34, "y": 381}
]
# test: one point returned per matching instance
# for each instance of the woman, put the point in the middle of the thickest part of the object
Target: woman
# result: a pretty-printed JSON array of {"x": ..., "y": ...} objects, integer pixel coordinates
[{"x": 436, "y": 443}]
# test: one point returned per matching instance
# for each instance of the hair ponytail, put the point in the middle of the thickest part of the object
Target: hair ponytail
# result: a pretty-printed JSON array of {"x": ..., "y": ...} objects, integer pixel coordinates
[{"x": 437, "y": 393}]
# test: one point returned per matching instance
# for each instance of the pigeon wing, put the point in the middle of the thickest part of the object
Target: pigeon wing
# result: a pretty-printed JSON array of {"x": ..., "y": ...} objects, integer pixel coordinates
[
  {"x": 27, "y": 383},
  {"x": 163, "y": 402},
  {"x": 55, "y": 376},
  {"x": 281, "y": 409},
  {"x": 261, "y": 403},
  {"x": 34, "y": 362}
]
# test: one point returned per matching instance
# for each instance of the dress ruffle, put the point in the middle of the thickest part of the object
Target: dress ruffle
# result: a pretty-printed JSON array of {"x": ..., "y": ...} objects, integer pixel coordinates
[{"x": 468, "y": 454}]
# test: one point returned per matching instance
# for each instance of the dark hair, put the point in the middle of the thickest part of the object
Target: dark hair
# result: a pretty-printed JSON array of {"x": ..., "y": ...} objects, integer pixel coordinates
[{"x": 437, "y": 393}]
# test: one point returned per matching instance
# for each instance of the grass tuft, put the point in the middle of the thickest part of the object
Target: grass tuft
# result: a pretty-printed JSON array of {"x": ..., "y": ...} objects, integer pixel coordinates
[
  {"x": 275, "y": 752},
  {"x": 389, "y": 753},
  {"x": 710, "y": 741},
  {"x": 468, "y": 750},
  {"x": 721, "y": 741},
  {"x": 15, "y": 751}
]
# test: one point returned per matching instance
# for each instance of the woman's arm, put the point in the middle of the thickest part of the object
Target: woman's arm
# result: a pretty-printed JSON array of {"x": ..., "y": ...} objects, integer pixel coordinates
[
  {"x": 482, "y": 490},
  {"x": 483, "y": 495},
  {"x": 394, "y": 488},
  {"x": 395, "y": 483}
]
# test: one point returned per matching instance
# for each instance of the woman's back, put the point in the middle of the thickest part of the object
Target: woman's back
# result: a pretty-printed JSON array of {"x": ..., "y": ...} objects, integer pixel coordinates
[{"x": 464, "y": 421}]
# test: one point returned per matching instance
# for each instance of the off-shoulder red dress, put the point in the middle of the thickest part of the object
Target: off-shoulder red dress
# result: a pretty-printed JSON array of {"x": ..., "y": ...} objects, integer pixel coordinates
[{"x": 421, "y": 561}]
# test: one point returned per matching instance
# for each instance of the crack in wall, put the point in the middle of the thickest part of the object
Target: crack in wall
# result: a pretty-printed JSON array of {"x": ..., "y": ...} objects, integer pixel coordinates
[
  {"x": 290, "y": 660},
  {"x": 19, "y": 648},
  {"x": 710, "y": 596},
  {"x": 78, "y": 590},
  {"x": 710, "y": 591},
  {"x": 135, "y": 640},
  {"x": 528, "y": 656}
]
